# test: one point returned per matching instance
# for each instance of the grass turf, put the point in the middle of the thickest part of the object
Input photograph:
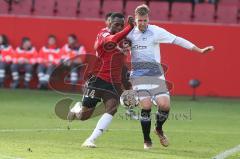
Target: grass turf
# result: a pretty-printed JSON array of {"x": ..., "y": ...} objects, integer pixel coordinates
[{"x": 29, "y": 129}]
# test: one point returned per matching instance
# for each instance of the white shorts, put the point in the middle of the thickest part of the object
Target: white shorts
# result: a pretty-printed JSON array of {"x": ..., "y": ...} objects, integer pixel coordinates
[{"x": 157, "y": 87}]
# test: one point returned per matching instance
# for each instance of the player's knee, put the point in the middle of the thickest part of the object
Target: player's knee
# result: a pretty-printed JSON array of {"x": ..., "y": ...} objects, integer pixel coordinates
[
  {"x": 146, "y": 103},
  {"x": 111, "y": 106},
  {"x": 112, "y": 112},
  {"x": 83, "y": 116},
  {"x": 14, "y": 67},
  {"x": 164, "y": 105}
]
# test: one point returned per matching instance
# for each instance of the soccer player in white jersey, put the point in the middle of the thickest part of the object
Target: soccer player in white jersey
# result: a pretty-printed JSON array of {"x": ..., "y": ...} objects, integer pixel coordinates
[{"x": 145, "y": 40}]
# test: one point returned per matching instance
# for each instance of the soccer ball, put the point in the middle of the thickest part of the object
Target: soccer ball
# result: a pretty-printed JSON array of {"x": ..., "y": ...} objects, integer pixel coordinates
[{"x": 129, "y": 98}]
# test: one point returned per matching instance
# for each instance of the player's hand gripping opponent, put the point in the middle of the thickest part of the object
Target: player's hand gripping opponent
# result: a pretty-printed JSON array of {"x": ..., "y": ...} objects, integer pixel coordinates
[
  {"x": 131, "y": 21},
  {"x": 111, "y": 41}
]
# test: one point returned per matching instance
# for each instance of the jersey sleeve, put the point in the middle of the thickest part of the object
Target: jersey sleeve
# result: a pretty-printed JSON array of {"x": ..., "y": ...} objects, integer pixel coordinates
[
  {"x": 118, "y": 36},
  {"x": 109, "y": 41},
  {"x": 34, "y": 56},
  {"x": 129, "y": 36},
  {"x": 57, "y": 56},
  {"x": 7, "y": 54},
  {"x": 163, "y": 36},
  {"x": 63, "y": 54},
  {"x": 82, "y": 50},
  {"x": 15, "y": 55},
  {"x": 100, "y": 39},
  {"x": 40, "y": 58}
]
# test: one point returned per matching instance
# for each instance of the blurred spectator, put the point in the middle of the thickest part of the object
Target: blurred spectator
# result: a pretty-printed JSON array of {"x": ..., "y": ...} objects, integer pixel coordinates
[
  {"x": 68, "y": 52},
  {"x": 48, "y": 59},
  {"x": 25, "y": 57},
  {"x": 6, "y": 55}
]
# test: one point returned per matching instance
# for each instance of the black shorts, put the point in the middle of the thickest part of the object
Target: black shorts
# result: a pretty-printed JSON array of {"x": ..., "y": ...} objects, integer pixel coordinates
[{"x": 97, "y": 90}]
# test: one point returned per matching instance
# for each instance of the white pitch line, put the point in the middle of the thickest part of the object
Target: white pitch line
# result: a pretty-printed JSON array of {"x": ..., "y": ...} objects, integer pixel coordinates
[
  {"x": 227, "y": 153},
  {"x": 8, "y": 157},
  {"x": 57, "y": 129},
  {"x": 85, "y": 129},
  {"x": 222, "y": 155}
]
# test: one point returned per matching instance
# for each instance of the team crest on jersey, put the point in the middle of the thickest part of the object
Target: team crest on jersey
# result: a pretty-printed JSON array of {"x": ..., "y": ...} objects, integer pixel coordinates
[{"x": 144, "y": 38}]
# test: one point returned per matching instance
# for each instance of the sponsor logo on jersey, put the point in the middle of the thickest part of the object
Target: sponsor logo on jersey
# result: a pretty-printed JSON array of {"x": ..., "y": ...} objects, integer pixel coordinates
[{"x": 139, "y": 47}]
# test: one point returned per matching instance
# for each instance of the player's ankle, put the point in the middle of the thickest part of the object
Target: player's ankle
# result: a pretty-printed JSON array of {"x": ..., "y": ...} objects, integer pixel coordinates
[
  {"x": 148, "y": 140},
  {"x": 159, "y": 129}
]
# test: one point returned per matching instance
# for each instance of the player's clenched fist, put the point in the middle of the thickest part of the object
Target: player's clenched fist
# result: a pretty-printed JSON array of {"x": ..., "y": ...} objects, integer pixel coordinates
[{"x": 131, "y": 21}]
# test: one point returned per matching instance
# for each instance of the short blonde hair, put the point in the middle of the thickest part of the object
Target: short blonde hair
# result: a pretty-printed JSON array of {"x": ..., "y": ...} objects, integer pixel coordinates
[{"x": 142, "y": 10}]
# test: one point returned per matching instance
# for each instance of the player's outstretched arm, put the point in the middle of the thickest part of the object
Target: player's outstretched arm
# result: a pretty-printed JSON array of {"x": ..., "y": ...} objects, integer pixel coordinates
[
  {"x": 188, "y": 45},
  {"x": 203, "y": 50},
  {"x": 111, "y": 41}
]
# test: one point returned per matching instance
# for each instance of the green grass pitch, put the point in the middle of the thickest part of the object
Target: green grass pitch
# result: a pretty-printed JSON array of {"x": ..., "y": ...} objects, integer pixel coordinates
[{"x": 29, "y": 129}]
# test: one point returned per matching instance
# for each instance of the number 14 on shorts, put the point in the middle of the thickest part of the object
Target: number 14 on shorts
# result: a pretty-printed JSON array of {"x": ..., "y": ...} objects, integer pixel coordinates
[{"x": 90, "y": 93}]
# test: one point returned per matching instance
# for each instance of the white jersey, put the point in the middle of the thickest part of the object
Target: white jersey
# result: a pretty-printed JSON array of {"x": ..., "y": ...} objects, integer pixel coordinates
[
  {"x": 145, "y": 45},
  {"x": 145, "y": 51},
  {"x": 146, "y": 58}
]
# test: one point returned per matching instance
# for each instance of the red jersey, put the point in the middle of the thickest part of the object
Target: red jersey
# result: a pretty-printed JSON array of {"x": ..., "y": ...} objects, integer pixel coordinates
[
  {"x": 6, "y": 53},
  {"x": 25, "y": 56},
  {"x": 96, "y": 41},
  {"x": 111, "y": 61},
  {"x": 49, "y": 55},
  {"x": 68, "y": 53}
]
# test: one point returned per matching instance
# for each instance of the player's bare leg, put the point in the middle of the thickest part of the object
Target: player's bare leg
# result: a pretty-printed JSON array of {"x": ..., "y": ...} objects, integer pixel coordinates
[
  {"x": 111, "y": 108},
  {"x": 163, "y": 103}
]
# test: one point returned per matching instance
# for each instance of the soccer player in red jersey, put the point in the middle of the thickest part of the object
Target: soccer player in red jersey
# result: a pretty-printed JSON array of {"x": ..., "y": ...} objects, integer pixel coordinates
[
  {"x": 125, "y": 78},
  {"x": 6, "y": 56},
  {"x": 48, "y": 59},
  {"x": 70, "y": 51},
  {"x": 104, "y": 84},
  {"x": 25, "y": 57}
]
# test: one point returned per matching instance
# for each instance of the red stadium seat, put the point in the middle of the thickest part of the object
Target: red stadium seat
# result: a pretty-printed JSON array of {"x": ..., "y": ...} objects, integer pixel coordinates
[
  {"x": 22, "y": 8},
  {"x": 67, "y": 8},
  {"x": 3, "y": 7},
  {"x": 131, "y": 6},
  {"x": 44, "y": 8},
  {"x": 112, "y": 6},
  {"x": 181, "y": 12},
  {"x": 229, "y": 2},
  {"x": 227, "y": 13},
  {"x": 204, "y": 12},
  {"x": 159, "y": 10},
  {"x": 89, "y": 9}
]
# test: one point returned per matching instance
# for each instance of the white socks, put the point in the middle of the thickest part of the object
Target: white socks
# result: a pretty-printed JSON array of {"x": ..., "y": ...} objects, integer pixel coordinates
[
  {"x": 76, "y": 108},
  {"x": 102, "y": 125}
]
